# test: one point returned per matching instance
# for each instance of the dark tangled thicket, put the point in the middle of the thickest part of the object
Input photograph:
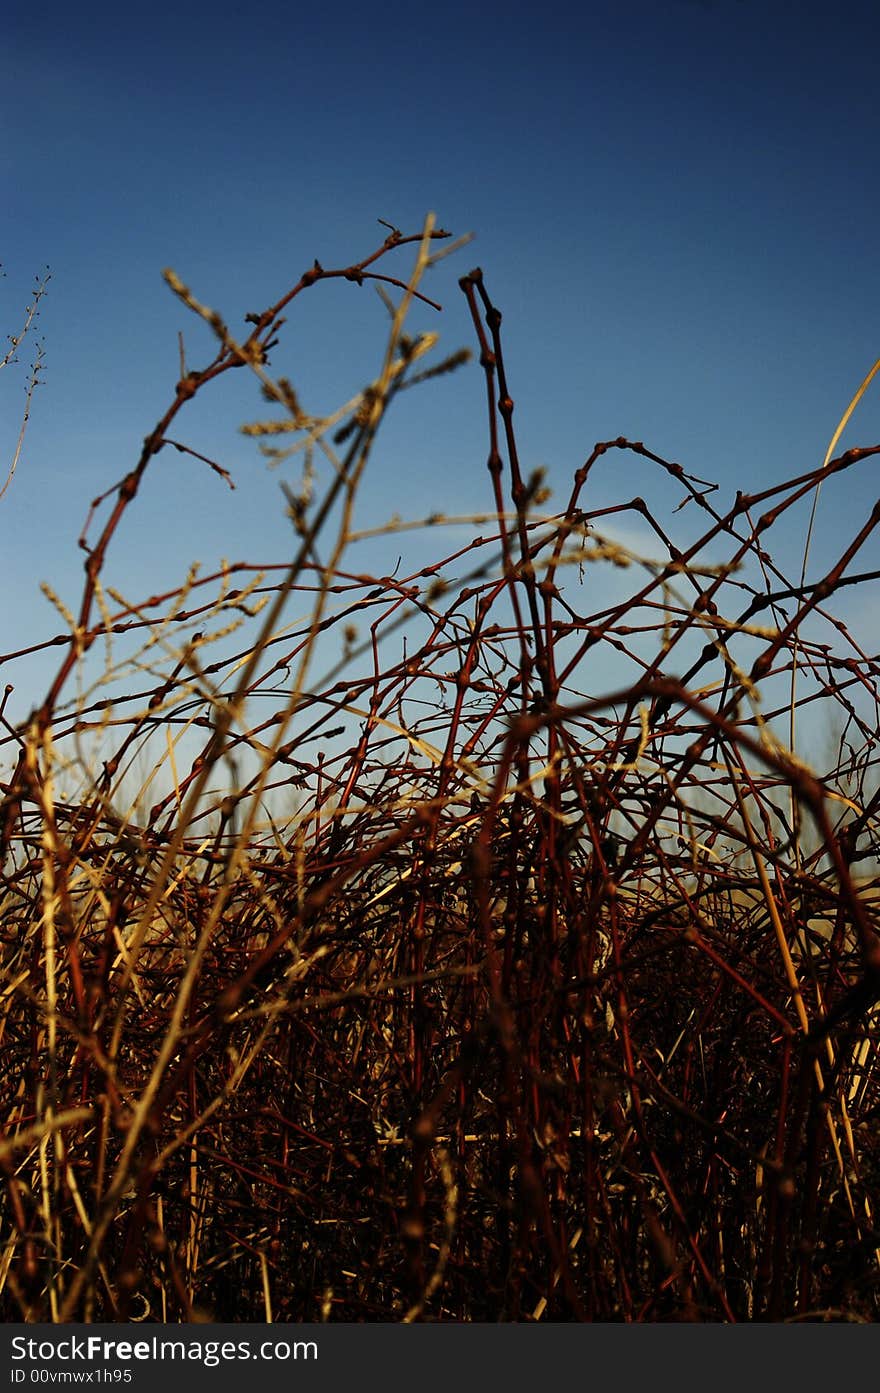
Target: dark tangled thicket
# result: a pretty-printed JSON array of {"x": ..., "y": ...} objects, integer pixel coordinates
[{"x": 461, "y": 985}]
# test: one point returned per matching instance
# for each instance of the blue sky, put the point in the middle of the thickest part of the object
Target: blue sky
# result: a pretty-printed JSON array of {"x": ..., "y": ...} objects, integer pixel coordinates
[{"x": 674, "y": 204}]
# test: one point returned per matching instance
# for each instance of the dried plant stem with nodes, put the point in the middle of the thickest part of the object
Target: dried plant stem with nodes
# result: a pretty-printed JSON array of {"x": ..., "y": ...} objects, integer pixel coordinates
[{"x": 38, "y": 363}]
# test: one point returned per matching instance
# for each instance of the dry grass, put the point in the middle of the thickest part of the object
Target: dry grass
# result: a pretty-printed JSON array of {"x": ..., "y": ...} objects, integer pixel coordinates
[{"x": 397, "y": 963}]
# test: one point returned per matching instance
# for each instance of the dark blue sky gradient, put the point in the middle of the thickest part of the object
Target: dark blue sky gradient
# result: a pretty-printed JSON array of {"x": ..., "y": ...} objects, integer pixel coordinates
[{"x": 674, "y": 204}]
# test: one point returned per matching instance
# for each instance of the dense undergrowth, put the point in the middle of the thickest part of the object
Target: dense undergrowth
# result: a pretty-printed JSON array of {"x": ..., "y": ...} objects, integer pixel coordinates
[{"x": 457, "y": 984}]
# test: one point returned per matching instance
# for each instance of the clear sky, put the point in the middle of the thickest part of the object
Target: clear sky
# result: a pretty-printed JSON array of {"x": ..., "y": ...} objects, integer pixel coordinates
[{"x": 675, "y": 204}]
